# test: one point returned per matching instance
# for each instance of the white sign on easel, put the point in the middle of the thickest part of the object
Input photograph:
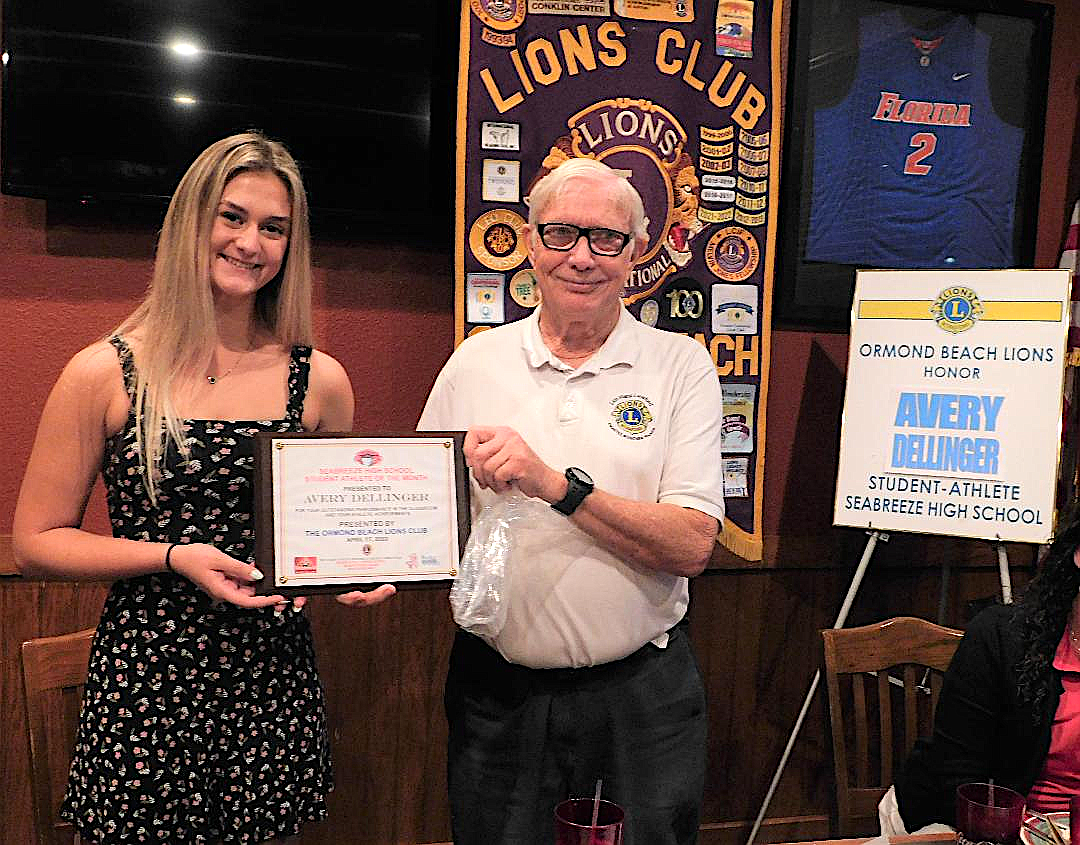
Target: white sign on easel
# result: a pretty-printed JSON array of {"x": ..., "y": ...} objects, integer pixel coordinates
[{"x": 952, "y": 415}]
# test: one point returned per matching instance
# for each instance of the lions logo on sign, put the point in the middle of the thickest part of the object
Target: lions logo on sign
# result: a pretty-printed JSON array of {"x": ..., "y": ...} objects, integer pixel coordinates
[
  {"x": 631, "y": 417},
  {"x": 956, "y": 309}
]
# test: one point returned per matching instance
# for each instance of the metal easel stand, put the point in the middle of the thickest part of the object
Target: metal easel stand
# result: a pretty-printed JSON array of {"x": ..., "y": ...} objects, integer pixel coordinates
[
  {"x": 1003, "y": 572},
  {"x": 1003, "y": 576},
  {"x": 841, "y": 617}
]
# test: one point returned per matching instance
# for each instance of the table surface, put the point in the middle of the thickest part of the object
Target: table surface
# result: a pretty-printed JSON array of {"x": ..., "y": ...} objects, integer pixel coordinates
[{"x": 912, "y": 839}]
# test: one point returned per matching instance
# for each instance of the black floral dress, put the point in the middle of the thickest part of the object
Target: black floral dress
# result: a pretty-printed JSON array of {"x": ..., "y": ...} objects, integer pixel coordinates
[{"x": 202, "y": 722}]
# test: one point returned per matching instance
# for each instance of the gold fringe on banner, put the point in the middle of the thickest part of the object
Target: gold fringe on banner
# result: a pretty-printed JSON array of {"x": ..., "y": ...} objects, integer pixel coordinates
[
  {"x": 749, "y": 545},
  {"x": 737, "y": 541}
]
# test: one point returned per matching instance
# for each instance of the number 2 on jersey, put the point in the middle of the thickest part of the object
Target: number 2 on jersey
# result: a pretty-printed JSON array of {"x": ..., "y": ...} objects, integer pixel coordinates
[{"x": 924, "y": 143}]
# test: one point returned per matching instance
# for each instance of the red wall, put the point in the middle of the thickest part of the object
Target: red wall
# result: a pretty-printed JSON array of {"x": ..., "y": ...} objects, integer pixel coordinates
[
  {"x": 66, "y": 279},
  {"x": 386, "y": 313}
]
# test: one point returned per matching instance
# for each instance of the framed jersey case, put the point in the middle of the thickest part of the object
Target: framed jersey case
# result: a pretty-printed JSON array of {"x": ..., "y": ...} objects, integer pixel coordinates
[{"x": 913, "y": 140}]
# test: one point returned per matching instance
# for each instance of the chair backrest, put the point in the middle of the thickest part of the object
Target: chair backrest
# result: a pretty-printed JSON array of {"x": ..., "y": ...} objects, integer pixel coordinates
[
  {"x": 894, "y": 667},
  {"x": 54, "y": 673}
]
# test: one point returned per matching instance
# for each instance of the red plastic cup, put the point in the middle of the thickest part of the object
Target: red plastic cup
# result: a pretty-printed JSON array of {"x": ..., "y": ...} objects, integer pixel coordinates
[
  {"x": 1074, "y": 813},
  {"x": 573, "y": 823},
  {"x": 986, "y": 813}
]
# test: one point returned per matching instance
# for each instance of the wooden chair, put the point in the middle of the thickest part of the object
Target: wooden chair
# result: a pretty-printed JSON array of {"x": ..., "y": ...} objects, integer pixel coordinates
[
  {"x": 895, "y": 665},
  {"x": 54, "y": 673}
]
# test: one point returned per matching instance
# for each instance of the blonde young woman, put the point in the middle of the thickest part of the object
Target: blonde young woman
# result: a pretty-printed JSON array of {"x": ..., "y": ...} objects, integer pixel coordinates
[{"x": 203, "y": 719}]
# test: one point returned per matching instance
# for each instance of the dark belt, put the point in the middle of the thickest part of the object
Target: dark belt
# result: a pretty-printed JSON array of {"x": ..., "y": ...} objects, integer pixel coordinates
[{"x": 477, "y": 659}]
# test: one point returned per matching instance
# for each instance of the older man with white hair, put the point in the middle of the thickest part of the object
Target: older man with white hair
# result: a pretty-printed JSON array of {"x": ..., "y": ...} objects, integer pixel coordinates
[{"x": 617, "y": 426}]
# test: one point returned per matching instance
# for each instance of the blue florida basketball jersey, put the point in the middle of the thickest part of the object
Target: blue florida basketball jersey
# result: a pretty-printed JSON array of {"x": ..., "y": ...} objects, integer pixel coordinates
[{"x": 913, "y": 169}]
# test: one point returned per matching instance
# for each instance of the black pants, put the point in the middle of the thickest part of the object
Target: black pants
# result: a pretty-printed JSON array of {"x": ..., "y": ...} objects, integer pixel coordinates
[{"x": 521, "y": 740}]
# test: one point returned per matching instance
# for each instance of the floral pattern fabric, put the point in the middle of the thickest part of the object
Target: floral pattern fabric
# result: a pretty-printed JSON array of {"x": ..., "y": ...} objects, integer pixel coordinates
[{"x": 201, "y": 722}]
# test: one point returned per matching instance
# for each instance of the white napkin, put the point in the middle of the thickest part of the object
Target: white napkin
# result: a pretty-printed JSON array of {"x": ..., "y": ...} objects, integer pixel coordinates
[{"x": 888, "y": 813}]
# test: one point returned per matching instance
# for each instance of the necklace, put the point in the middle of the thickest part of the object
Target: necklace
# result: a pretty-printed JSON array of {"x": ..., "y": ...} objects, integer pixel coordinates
[
  {"x": 216, "y": 379},
  {"x": 1074, "y": 640}
]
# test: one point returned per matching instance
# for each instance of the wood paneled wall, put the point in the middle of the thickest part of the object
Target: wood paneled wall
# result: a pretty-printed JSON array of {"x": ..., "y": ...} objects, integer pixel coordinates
[{"x": 755, "y": 632}]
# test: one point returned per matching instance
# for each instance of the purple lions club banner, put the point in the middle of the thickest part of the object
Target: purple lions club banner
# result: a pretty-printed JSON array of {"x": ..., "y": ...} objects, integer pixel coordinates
[{"x": 677, "y": 94}]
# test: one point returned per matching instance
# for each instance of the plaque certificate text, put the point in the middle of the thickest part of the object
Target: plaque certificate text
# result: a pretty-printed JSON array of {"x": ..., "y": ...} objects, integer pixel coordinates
[{"x": 339, "y": 512}]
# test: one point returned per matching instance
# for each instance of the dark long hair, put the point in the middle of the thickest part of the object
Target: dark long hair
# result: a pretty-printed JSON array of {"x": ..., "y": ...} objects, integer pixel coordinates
[{"x": 1042, "y": 615}]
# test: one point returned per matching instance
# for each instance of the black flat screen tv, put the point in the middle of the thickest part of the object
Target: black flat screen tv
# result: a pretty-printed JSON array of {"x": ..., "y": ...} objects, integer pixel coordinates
[{"x": 109, "y": 102}]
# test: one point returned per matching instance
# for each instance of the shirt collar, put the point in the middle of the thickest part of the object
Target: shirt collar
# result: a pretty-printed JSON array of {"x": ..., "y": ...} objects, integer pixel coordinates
[{"x": 619, "y": 348}]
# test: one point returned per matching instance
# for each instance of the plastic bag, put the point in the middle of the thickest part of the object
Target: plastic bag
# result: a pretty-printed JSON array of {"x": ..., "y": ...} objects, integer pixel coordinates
[{"x": 501, "y": 531}]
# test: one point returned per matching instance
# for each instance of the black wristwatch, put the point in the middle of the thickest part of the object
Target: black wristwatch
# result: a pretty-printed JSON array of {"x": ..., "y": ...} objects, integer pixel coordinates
[{"x": 580, "y": 486}]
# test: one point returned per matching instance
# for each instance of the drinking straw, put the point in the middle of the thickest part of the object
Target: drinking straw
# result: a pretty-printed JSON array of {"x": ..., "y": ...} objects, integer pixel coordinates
[
  {"x": 1035, "y": 831},
  {"x": 1055, "y": 831},
  {"x": 595, "y": 811},
  {"x": 1053, "y": 828},
  {"x": 990, "y": 800}
]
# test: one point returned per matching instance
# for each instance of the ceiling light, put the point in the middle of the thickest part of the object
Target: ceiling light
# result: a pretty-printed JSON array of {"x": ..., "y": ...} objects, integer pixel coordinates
[{"x": 185, "y": 48}]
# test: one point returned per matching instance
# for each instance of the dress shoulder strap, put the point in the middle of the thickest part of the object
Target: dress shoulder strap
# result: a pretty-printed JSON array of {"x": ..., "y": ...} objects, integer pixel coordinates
[
  {"x": 127, "y": 363},
  {"x": 299, "y": 370}
]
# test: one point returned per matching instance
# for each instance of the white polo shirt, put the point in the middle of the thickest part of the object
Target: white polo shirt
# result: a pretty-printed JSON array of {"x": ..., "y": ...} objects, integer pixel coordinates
[{"x": 642, "y": 417}]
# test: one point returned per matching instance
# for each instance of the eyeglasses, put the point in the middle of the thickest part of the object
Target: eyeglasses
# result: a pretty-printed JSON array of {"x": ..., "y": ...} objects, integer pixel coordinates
[{"x": 564, "y": 236}]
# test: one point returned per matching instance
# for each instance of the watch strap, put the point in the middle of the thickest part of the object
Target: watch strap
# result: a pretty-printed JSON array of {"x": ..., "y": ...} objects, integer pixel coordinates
[{"x": 576, "y": 491}]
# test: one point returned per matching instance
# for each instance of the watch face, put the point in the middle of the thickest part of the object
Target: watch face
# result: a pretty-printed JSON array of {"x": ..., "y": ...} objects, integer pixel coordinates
[{"x": 579, "y": 475}]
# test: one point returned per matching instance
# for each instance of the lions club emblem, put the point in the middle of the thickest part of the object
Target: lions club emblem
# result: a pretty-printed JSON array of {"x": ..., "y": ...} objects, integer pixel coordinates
[
  {"x": 956, "y": 309},
  {"x": 631, "y": 416}
]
